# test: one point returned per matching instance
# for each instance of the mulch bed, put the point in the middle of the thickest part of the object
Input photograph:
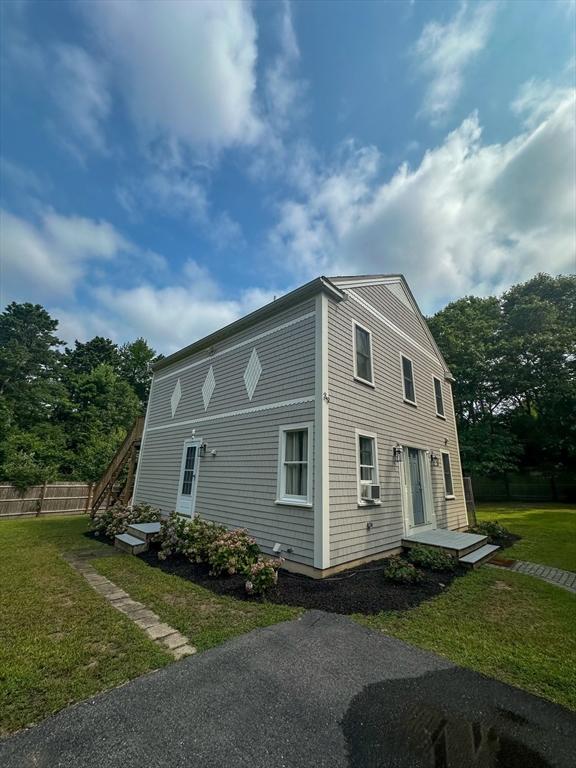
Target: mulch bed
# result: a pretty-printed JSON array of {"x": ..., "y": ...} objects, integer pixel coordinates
[{"x": 362, "y": 590}]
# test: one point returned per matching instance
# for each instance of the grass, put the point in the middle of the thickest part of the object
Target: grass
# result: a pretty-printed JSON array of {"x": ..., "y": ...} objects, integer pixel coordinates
[
  {"x": 206, "y": 618},
  {"x": 505, "y": 625},
  {"x": 60, "y": 642},
  {"x": 548, "y": 531}
]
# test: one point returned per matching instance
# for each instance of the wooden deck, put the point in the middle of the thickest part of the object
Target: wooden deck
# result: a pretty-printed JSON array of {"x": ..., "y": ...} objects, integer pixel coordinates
[{"x": 452, "y": 541}]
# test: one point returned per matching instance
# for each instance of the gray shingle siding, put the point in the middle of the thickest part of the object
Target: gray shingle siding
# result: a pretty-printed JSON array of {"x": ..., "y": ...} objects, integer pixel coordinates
[
  {"x": 236, "y": 487},
  {"x": 381, "y": 410}
]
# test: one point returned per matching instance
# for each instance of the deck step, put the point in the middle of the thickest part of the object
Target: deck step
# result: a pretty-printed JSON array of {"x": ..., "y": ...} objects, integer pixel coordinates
[
  {"x": 478, "y": 556},
  {"x": 143, "y": 531},
  {"x": 454, "y": 543},
  {"x": 131, "y": 544}
]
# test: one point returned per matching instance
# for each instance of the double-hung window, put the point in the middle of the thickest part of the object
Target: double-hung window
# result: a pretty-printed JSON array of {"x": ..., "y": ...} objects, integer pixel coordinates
[
  {"x": 294, "y": 478},
  {"x": 363, "y": 355},
  {"x": 367, "y": 466},
  {"x": 447, "y": 470},
  {"x": 438, "y": 397},
  {"x": 408, "y": 380}
]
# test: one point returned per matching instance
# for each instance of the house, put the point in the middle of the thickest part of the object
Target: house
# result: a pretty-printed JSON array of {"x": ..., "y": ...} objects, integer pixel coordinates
[{"x": 322, "y": 422}]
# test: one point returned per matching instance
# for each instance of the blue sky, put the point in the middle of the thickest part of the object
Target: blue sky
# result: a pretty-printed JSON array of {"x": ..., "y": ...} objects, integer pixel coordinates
[{"x": 167, "y": 167}]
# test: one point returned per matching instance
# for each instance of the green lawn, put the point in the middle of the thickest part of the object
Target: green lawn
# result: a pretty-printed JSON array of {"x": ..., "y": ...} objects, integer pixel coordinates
[
  {"x": 548, "y": 531},
  {"x": 502, "y": 624},
  {"x": 206, "y": 618},
  {"x": 59, "y": 641}
]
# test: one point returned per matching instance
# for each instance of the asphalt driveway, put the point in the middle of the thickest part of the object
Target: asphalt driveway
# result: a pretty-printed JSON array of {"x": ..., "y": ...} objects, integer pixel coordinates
[{"x": 319, "y": 691}]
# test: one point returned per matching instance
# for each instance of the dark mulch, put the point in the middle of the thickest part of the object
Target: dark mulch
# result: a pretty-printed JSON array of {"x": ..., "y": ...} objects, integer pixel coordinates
[{"x": 363, "y": 590}]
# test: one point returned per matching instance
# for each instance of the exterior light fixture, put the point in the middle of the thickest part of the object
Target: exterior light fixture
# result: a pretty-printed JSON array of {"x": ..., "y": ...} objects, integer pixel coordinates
[
  {"x": 434, "y": 459},
  {"x": 398, "y": 453},
  {"x": 203, "y": 449}
]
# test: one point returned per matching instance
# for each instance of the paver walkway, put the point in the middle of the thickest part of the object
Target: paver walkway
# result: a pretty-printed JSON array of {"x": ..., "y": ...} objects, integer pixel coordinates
[
  {"x": 565, "y": 579},
  {"x": 169, "y": 638}
]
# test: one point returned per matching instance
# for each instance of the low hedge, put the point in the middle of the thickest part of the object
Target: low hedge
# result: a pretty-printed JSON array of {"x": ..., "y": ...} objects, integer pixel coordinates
[{"x": 116, "y": 519}]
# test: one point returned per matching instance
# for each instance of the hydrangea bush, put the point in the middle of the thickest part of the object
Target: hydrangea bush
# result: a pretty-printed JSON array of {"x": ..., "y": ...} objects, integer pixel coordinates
[
  {"x": 262, "y": 575},
  {"x": 232, "y": 552},
  {"x": 400, "y": 570},
  {"x": 432, "y": 558},
  {"x": 116, "y": 519},
  {"x": 191, "y": 538}
]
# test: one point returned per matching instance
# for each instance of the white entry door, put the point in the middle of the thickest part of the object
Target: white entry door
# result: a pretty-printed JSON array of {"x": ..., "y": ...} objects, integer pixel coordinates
[
  {"x": 188, "y": 478},
  {"x": 417, "y": 495}
]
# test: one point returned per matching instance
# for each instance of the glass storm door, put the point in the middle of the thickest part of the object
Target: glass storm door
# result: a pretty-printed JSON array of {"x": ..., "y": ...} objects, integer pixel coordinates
[
  {"x": 188, "y": 478},
  {"x": 416, "y": 487}
]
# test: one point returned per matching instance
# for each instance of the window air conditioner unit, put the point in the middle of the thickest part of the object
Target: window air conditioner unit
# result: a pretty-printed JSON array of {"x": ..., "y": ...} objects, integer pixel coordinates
[{"x": 374, "y": 492}]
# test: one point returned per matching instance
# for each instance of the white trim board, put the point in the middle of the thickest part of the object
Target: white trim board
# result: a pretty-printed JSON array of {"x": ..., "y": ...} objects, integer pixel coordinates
[
  {"x": 239, "y": 345},
  {"x": 321, "y": 440},
  {"x": 229, "y": 414},
  {"x": 388, "y": 323},
  {"x": 142, "y": 440}
]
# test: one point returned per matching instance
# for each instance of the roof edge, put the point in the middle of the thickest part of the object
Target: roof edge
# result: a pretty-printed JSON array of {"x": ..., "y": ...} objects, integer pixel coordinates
[{"x": 319, "y": 284}]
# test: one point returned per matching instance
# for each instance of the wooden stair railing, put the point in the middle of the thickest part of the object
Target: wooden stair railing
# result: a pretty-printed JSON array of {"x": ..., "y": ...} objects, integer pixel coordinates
[{"x": 128, "y": 452}]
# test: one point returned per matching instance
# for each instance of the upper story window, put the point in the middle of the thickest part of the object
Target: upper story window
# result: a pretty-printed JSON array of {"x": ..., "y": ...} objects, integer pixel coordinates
[
  {"x": 294, "y": 478},
  {"x": 363, "y": 354},
  {"x": 447, "y": 469},
  {"x": 408, "y": 380},
  {"x": 438, "y": 397},
  {"x": 368, "y": 489}
]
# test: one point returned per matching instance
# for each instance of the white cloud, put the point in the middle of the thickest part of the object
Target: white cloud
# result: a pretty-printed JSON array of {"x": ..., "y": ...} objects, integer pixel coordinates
[
  {"x": 470, "y": 218},
  {"x": 81, "y": 95},
  {"x": 537, "y": 99},
  {"x": 443, "y": 51},
  {"x": 49, "y": 258},
  {"x": 171, "y": 316},
  {"x": 185, "y": 69}
]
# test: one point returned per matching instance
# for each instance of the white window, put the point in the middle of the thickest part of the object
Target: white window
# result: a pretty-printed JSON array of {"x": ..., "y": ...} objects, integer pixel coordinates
[
  {"x": 408, "y": 380},
  {"x": 447, "y": 470},
  {"x": 438, "y": 397},
  {"x": 363, "y": 354},
  {"x": 294, "y": 475},
  {"x": 367, "y": 457}
]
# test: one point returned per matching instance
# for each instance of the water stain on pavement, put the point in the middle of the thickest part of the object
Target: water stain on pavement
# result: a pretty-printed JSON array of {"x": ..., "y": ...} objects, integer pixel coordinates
[{"x": 424, "y": 723}]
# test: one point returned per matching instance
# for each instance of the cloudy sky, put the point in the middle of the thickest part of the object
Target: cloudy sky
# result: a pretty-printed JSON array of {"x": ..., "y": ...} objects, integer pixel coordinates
[{"x": 168, "y": 166}]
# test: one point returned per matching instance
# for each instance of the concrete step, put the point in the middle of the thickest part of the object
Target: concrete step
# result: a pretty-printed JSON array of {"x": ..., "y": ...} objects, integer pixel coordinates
[
  {"x": 479, "y": 556},
  {"x": 143, "y": 531},
  {"x": 130, "y": 544}
]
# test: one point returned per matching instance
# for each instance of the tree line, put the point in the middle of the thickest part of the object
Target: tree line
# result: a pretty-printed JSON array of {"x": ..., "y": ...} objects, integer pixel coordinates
[
  {"x": 513, "y": 357},
  {"x": 65, "y": 410}
]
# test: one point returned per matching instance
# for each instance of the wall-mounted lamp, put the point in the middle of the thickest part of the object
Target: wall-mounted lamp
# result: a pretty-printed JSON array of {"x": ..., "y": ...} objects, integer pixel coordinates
[
  {"x": 398, "y": 453},
  {"x": 203, "y": 449},
  {"x": 434, "y": 459}
]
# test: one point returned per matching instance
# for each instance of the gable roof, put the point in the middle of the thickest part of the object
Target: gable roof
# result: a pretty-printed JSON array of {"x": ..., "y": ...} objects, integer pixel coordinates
[{"x": 357, "y": 281}]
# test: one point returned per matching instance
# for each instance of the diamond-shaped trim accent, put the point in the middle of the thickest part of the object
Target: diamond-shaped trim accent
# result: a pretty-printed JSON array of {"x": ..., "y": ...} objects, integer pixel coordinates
[
  {"x": 208, "y": 387},
  {"x": 252, "y": 373},
  {"x": 175, "y": 399}
]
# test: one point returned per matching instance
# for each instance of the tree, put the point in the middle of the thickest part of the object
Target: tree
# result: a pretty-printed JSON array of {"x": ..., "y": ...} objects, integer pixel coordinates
[
  {"x": 29, "y": 364},
  {"x": 514, "y": 360},
  {"x": 135, "y": 360},
  {"x": 85, "y": 357}
]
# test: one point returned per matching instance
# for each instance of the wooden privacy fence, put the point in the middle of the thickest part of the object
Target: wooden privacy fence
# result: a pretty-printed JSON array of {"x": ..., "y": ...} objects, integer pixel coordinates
[{"x": 47, "y": 499}]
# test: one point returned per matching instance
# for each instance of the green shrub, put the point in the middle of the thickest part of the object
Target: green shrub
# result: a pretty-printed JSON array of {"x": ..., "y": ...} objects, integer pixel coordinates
[
  {"x": 432, "y": 558},
  {"x": 496, "y": 533},
  {"x": 191, "y": 538},
  {"x": 232, "y": 552},
  {"x": 400, "y": 570},
  {"x": 262, "y": 575},
  {"x": 117, "y": 518}
]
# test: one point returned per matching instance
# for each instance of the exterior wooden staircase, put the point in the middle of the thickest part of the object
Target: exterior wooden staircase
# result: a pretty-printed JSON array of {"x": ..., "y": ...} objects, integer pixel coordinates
[{"x": 113, "y": 486}]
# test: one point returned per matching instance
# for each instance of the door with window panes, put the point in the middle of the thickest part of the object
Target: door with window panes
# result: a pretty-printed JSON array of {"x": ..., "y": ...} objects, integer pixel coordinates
[{"x": 188, "y": 478}]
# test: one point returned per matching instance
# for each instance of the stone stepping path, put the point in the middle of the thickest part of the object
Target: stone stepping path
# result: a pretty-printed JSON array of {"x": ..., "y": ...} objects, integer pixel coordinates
[
  {"x": 166, "y": 636},
  {"x": 564, "y": 579}
]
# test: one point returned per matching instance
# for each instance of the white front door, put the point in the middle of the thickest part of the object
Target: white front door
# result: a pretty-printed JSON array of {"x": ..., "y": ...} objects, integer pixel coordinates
[
  {"x": 417, "y": 491},
  {"x": 188, "y": 478}
]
